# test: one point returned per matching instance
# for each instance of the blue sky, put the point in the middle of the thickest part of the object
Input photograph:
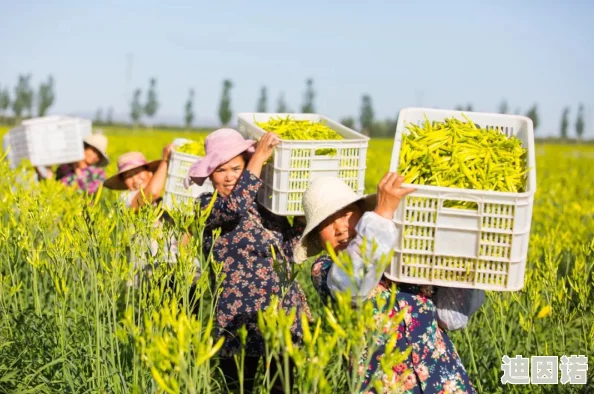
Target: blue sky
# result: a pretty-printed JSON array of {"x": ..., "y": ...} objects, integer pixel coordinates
[{"x": 434, "y": 53}]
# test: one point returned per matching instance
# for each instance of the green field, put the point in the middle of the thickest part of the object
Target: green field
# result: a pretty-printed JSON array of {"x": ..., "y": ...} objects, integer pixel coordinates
[{"x": 69, "y": 323}]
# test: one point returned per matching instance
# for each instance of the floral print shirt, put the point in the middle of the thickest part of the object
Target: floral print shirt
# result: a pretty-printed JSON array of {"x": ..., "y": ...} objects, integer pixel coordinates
[
  {"x": 89, "y": 180},
  {"x": 248, "y": 234},
  {"x": 433, "y": 365}
]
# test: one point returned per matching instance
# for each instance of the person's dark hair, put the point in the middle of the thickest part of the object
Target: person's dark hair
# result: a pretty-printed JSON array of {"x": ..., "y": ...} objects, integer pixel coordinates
[
  {"x": 85, "y": 146},
  {"x": 314, "y": 238},
  {"x": 246, "y": 157}
]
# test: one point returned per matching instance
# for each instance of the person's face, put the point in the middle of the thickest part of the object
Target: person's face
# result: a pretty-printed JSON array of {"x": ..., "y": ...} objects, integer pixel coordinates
[
  {"x": 92, "y": 156},
  {"x": 137, "y": 178},
  {"x": 339, "y": 229},
  {"x": 226, "y": 175}
]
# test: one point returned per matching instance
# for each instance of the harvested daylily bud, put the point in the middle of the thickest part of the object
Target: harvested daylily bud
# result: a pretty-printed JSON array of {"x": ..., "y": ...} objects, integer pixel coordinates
[
  {"x": 302, "y": 130},
  {"x": 454, "y": 153},
  {"x": 195, "y": 148}
]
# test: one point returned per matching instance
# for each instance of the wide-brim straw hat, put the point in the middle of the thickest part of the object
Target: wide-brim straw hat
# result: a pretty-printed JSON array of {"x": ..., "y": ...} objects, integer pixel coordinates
[
  {"x": 99, "y": 142},
  {"x": 220, "y": 146},
  {"x": 323, "y": 198},
  {"x": 127, "y": 162}
]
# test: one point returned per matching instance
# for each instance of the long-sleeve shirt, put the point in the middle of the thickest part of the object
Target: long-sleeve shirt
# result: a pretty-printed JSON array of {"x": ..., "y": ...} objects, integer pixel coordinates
[
  {"x": 375, "y": 238},
  {"x": 250, "y": 237},
  {"x": 89, "y": 180},
  {"x": 434, "y": 362}
]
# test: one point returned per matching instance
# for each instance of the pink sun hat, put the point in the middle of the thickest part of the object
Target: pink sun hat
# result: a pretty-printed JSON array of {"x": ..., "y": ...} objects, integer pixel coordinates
[
  {"x": 220, "y": 146},
  {"x": 127, "y": 162}
]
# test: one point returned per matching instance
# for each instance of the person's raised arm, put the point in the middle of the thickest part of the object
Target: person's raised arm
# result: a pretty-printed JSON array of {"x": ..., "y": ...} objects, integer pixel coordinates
[
  {"x": 154, "y": 188},
  {"x": 264, "y": 149},
  {"x": 230, "y": 208}
]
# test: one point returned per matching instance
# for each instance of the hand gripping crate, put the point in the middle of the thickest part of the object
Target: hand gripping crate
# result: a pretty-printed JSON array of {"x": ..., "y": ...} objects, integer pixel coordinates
[
  {"x": 175, "y": 191},
  {"x": 49, "y": 140},
  {"x": 295, "y": 164},
  {"x": 484, "y": 248}
]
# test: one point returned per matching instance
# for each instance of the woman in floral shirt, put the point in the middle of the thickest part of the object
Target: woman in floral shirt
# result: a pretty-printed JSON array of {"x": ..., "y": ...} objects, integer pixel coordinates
[
  {"x": 87, "y": 174},
  {"x": 249, "y": 233},
  {"x": 336, "y": 215}
]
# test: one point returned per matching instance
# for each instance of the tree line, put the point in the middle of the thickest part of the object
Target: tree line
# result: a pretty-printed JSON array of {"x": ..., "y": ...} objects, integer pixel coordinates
[
  {"x": 24, "y": 100},
  {"x": 367, "y": 123}
]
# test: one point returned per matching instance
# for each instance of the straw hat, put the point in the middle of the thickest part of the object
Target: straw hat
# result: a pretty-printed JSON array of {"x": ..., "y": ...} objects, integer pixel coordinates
[
  {"x": 220, "y": 146},
  {"x": 99, "y": 142},
  {"x": 323, "y": 198},
  {"x": 126, "y": 162}
]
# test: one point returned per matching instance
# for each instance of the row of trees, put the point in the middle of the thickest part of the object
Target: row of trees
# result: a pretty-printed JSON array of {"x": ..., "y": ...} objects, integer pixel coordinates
[
  {"x": 367, "y": 123},
  {"x": 532, "y": 113},
  {"x": 24, "y": 99},
  {"x": 149, "y": 108},
  {"x": 579, "y": 122}
]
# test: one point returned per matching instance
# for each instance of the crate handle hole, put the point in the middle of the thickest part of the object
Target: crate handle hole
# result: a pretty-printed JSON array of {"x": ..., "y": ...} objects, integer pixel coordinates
[
  {"x": 325, "y": 152},
  {"x": 463, "y": 205}
]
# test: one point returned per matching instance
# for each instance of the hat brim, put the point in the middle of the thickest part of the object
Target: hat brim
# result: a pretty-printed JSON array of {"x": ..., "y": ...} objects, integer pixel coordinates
[
  {"x": 206, "y": 165},
  {"x": 117, "y": 183},
  {"x": 104, "y": 159},
  {"x": 305, "y": 249}
]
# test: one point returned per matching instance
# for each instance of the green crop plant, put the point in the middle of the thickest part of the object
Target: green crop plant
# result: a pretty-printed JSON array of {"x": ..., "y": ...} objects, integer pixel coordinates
[{"x": 71, "y": 320}]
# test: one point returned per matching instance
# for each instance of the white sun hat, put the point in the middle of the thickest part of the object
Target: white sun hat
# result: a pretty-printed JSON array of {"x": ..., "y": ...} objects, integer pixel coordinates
[
  {"x": 324, "y": 197},
  {"x": 99, "y": 142}
]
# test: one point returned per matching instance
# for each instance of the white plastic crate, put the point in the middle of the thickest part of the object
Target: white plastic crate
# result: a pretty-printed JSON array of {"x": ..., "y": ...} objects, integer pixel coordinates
[
  {"x": 49, "y": 140},
  {"x": 484, "y": 248},
  {"x": 295, "y": 164},
  {"x": 179, "y": 164}
]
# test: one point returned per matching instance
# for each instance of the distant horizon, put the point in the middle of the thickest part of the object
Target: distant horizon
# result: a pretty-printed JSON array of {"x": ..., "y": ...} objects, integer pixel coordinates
[{"x": 165, "y": 121}]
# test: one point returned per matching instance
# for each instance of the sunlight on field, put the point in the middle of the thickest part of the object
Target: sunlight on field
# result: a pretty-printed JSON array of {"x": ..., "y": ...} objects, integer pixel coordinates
[{"x": 66, "y": 323}]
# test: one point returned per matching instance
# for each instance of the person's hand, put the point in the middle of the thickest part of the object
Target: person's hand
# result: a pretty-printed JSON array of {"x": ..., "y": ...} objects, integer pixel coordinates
[
  {"x": 81, "y": 165},
  {"x": 265, "y": 147},
  {"x": 389, "y": 194},
  {"x": 167, "y": 152}
]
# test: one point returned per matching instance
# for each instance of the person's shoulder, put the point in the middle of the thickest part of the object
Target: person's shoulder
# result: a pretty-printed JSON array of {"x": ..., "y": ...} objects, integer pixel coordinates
[
  {"x": 250, "y": 179},
  {"x": 323, "y": 259},
  {"x": 204, "y": 199},
  {"x": 96, "y": 172},
  {"x": 268, "y": 216},
  {"x": 63, "y": 170},
  {"x": 205, "y": 196}
]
